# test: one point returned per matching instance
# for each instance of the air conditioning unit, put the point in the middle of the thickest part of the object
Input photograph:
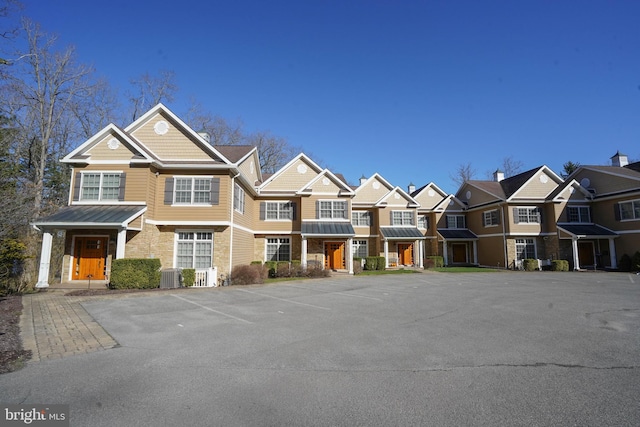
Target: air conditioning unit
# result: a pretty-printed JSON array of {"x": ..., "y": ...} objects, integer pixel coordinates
[{"x": 171, "y": 278}]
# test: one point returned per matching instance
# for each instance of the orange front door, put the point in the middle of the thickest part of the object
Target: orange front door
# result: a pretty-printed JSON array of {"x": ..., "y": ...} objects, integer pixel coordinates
[
  {"x": 334, "y": 255},
  {"x": 90, "y": 258},
  {"x": 405, "y": 253}
]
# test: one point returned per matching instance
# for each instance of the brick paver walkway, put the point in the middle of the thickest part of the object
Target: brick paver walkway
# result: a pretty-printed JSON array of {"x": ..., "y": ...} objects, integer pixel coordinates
[{"x": 55, "y": 326}]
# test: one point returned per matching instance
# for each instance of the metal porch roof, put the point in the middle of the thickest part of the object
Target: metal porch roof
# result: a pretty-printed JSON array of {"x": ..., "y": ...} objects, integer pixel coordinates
[
  {"x": 587, "y": 230},
  {"x": 394, "y": 233},
  {"x": 103, "y": 216},
  {"x": 317, "y": 228},
  {"x": 457, "y": 234}
]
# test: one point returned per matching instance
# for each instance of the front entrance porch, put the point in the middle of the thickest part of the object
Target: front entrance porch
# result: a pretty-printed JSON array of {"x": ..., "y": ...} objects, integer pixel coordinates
[{"x": 592, "y": 246}]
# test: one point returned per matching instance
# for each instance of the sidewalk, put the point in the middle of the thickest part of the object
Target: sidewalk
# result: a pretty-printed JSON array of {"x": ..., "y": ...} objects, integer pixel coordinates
[{"x": 54, "y": 326}]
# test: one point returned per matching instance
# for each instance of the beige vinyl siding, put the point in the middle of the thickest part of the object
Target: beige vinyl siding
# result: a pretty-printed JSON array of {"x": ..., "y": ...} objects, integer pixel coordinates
[
  {"x": 491, "y": 251},
  {"x": 251, "y": 162},
  {"x": 101, "y": 150},
  {"x": 369, "y": 194},
  {"x": 605, "y": 183},
  {"x": 174, "y": 144},
  {"x": 325, "y": 185},
  {"x": 244, "y": 219},
  {"x": 603, "y": 213},
  {"x": 478, "y": 196},
  {"x": 539, "y": 186},
  {"x": 137, "y": 180},
  {"x": 292, "y": 179},
  {"x": 242, "y": 243},
  {"x": 363, "y": 230},
  {"x": 219, "y": 212},
  {"x": 427, "y": 201}
]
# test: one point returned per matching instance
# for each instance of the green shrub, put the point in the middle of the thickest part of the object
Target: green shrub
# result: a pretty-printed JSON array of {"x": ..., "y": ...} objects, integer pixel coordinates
[
  {"x": 559, "y": 265},
  {"x": 434, "y": 261},
  {"x": 380, "y": 263},
  {"x": 529, "y": 264},
  {"x": 371, "y": 263},
  {"x": 625, "y": 263},
  {"x": 248, "y": 274},
  {"x": 135, "y": 273},
  {"x": 256, "y": 262},
  {"x": 188, "y": 277},
  {"x": 635, "y": 261},
  {"x": 272, "y": 268}
]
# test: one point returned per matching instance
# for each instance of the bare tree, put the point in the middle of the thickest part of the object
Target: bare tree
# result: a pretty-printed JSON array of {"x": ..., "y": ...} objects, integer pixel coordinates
[
  {"x": 10, "y": 31},
  {"x": 220, "y": 130},
  {"x": 464, "y": 172},
  {"x": 150, "y": 90},
  {"x": 274, "y": 151},
  {"x": 511, "y": 167}
]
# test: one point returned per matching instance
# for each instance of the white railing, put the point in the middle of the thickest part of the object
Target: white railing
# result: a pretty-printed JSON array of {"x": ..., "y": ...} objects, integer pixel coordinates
[{"x": 206, "y": 277}]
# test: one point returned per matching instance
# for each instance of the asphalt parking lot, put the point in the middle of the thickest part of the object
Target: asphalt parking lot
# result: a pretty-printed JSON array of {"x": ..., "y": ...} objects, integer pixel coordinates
[{"x": 480, "y": 349}]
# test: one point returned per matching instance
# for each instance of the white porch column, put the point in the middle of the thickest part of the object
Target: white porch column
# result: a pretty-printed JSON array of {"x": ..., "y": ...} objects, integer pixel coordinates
[
  {"x": 612, "y": 253},
  {"x": 475, "y": 252},
  {"x": 420, "y": 253},
  {"x": 574, "y": 248},
  {"x": 45, "y": 260},
  {"x": 120, "y": 244},
  {"x": 386, "y": 254},
  {"x": 303, "y": 255},
  {"x": 445, "y": 253},
  {"x": 350, "y": 255}
]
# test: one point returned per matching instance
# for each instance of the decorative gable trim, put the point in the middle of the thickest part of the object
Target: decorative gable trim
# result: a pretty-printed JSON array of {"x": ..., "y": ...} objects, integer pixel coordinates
[
  {"x": 303, "y": 157},
  {"x": 78, "y": 155},
  {"x": 547, "y": 172},
  {"x": 384, "y": 201},
  {"x": 572, "y": 184},
  {"x": 326, "y": 173}
]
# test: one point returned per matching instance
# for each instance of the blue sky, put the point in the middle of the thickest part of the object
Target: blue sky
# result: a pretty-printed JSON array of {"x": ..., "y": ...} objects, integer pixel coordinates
[{"x": 408, "y": 89}]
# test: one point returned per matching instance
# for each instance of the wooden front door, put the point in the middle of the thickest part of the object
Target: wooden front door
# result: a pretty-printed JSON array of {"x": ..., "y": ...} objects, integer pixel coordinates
[
  {"x": 90, "y": 255},
  {"x": 459, "y": 252},
  {"x": 585, "y": 254},
  {"x": 334, "y": 255},
  {"x": 405, "y": 254}
]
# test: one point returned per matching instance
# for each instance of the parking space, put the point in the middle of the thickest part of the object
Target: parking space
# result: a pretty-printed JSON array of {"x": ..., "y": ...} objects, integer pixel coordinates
[{"x": 507, "y": 348}]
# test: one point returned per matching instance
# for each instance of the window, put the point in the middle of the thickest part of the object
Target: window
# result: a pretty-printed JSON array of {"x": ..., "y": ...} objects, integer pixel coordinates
[
  {"x": 402, "y": 218},
  {"x": 100, "y": 186},
  {"x": 491, "y": 218},
  {"x": 630, "y": 210},
  {"x": 525, "y": 249},
  {"x": 361, "y": 218},
  {"x": 455, "y": 221},
  {"x": 578, "y": 214},
  {"x": 423, "y": 221},
  {"x": 278, "y": 249},
  {"x": 194, "y": 191},
  {"x": 194, "y": 249},
  {"x": 360, "y": 249},
  {"x": 278, "y": 211},
  {"x": 238, "y": 198},
  {"x": 332, "y": 209},
  {"x": 527, "y": 215}
]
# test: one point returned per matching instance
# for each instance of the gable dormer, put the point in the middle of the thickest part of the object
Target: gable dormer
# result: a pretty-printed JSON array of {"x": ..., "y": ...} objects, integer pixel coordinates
[
  {"x": 292, "y": 177},
  {"x": 372, "y": 190}
]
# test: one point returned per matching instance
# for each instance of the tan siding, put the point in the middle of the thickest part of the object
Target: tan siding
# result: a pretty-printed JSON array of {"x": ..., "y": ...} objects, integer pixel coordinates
[
  {"x": 292, "y": 179},
  {"x": 174, "y": 144},
  {"x": 325, "y": 185},
  {"x": 245, "y": 219},
  {"x": 249, "y": 168},
  {"x": 369, "y": 194},
  {"x": 491, "y": 251},
  {"x": 605, "y": 183},
  {"x": 242, "y": 242},
  {"x": 429, "y": 199},
  {"x": 539, "y": 186},
  {"x": 478, "y": 197},
  {"x": 101, "y": 150}
]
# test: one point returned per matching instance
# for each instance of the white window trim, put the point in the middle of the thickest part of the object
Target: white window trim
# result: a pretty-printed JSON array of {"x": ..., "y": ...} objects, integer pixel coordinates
[
  {"x": 279, "y": 203},
  {"x": 366, "y": 245},
  {"x": 360, "y": 215},
  {"x": 333, "y": 210},
  {"x": 426, "y": 222},
  {"x": 632, "y": 202},
  {"x": 580, "y": 219},
  {"x": 402, "y": 218},
  {"x": 266, "y": 244},
  {"x": 464, "y": 221},
  {"x": 176, "y": 240},
  {"x": 490, "y": 223},
  {"x": 100, "y": 185},
  {"x": 537, "y": 210},
  {"x": 239, "y": 195},
  {"x": 193, "y": 178},
  {"x": 535, "y": 246}
]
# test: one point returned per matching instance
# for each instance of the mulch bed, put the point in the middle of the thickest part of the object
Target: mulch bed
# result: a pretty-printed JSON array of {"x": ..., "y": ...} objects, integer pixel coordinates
[{"x": 12, "y": 355}]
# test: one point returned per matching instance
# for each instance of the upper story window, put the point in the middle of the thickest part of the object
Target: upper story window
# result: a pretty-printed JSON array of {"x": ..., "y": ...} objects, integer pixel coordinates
[
  {"x": 630, "y": 210},
  {"x": 275, "y": 211},
  {"x": 332, "y": 209},
  {"x": 238, "y": 198},
  {"x": 402, "y": 218},
  {"x": 491, "y": 218},
  {"x": 455, "y": 221},
  {"x": 423, "y": 221},
  {"x": 361, "y": 218},
  {"x": 194, "y": 191},
  {"x": 527, "y": 215},
  {"x": 578, "y": 214},
  {"x": 101, "y": 186}
]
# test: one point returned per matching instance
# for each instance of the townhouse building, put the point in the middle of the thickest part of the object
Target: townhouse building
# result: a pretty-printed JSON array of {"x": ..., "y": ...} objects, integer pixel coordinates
[{"x": 158, "y": 189}]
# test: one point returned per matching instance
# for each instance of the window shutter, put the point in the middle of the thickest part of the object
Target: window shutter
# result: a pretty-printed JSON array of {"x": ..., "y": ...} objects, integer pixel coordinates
[
  {"x": 168, "y": 191},
  {"x": 391, "y": 218},
  {"x": 498, "y": 217},
  {"x": 293, "y": 211},
  {"x": 76, "y": 187},
  {"x": 540, "y": 217},
  {"x": 317, "y": 209},
  {"x": 215, "y": 191},
  {"x": 515, "y": 216},
  {"x": 616, "y": 211},
  {"x": 263, "y": 211},
  {"x": 123, "y": 180}
]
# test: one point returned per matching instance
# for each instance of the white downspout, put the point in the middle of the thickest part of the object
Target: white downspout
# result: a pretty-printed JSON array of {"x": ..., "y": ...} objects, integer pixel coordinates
[{"x": 233, "y": 190}]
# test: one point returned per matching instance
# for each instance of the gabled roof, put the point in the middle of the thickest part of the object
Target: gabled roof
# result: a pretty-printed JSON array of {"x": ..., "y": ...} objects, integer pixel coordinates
[
  {"x": 397, "y": 193},
  {"x": 303, "y": 157},
  {"x": 326, "y": 173},
  {"x": 575, "y": 185},
  {"x": 449, "y": 200},
  {"x": 140, "y": 154},
  {"x": 235, "y": 153},
  {"x": 430, "y": 186}
]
